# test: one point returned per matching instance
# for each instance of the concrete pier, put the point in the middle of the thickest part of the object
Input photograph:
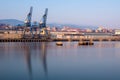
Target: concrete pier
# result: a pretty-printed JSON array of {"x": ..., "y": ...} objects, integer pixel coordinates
[
  {"x": 23, "y": 40},
  {"x": 55, "y": 39}
]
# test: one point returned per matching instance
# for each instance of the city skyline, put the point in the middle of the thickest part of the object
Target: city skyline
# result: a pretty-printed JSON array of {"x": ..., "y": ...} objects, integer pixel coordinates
[{"x": 80, "y": 12}]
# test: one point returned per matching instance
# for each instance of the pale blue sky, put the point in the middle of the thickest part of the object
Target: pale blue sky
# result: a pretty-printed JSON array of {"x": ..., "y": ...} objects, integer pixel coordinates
[{"x": 82, "y": 12}]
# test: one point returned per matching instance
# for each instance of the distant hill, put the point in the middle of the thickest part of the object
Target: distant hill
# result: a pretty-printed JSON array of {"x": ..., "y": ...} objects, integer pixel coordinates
[
  {"x": 72, "y": 26},
  {"x": 15, "y": 22},
  {"x": 12, "y": 22}
]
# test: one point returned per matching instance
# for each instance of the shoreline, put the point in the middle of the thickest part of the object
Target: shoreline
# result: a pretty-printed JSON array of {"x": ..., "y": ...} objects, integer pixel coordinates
[{"x": 54, "y": 40}]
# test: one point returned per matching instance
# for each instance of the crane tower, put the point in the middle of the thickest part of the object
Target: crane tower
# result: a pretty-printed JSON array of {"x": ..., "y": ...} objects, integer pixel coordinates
[
  {"x": 28, "y": 26},
  {"x": 42, "y": 24}
]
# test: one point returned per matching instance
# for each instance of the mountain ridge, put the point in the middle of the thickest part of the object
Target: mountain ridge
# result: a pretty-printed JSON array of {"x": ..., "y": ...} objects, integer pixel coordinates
[
  {"x": 15, "y": 22},
  {"x": 12, "y": 22}
]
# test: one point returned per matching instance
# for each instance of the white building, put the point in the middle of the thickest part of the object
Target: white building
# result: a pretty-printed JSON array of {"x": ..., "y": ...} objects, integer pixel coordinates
[{"x": 117, "y": 31}]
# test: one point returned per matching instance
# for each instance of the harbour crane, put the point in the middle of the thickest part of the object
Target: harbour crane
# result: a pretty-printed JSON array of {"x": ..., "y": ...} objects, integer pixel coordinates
[
  {"x": 42, "y": 24},
  {"x": 28, "y": 26}
]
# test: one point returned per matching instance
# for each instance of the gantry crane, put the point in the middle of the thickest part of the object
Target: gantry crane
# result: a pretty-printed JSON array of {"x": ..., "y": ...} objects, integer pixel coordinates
[
  {"x": 28, "y": 26},
  {"x": 42, "y": 24}
]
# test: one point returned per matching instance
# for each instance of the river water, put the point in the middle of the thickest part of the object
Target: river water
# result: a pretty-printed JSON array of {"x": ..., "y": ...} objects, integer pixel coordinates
[{"x": 46, "y": 61}]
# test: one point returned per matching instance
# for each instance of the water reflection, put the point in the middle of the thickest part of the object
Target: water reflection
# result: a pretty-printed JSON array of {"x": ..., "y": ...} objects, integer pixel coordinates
[
  {"x": 46, "y": 61},
  {"x": 28, "y": 60},
  {"x": 27, "y": 54},
  {"x": 43, "y": 56}
]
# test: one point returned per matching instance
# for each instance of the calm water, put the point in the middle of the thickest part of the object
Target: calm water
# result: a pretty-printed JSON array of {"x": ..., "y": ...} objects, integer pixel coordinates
[{"x": 46, "y": 61}]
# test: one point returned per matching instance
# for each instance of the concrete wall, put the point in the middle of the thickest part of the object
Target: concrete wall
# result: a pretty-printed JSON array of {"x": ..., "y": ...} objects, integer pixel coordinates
[{"x": 10, "y": 36}]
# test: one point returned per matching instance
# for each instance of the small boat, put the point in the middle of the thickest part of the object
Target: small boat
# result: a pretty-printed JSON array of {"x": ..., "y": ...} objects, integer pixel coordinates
[{"x": 59, "y": 43}]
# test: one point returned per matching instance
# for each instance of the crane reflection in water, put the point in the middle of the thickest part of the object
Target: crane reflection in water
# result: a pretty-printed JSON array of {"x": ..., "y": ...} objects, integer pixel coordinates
[
  {"x": 46, "y": 61},
  {"x": 41, "y": 48}
]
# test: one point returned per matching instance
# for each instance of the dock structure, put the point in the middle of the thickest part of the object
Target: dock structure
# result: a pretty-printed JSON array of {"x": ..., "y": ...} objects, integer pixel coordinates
[
  {"x": 12, "y": 36},
  {"x": 94, "y": 39},
  {"x": 24, "y": 40},
  {"x": 44, "y": 38}
]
